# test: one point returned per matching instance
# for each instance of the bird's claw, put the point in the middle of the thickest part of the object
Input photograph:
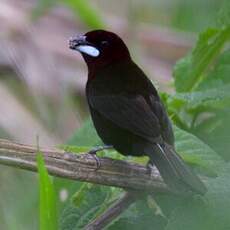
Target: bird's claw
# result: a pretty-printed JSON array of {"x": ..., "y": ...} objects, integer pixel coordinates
[
  {"x": 150, "y": 168},
  {"x": 93, "y": 152},
  {"x": 98, "y": 163}
]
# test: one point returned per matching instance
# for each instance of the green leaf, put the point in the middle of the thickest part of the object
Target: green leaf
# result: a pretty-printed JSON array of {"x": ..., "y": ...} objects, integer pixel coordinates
[
  {"x": 208, "y": 213},
  {"x": 219, "y": 76},
  {"x": 189, "y": 70},
  {"x": 87, "y": 203},
  {"x": 206, "y": 111},
  {"x": 224, "y": 14},
  {"x": 86, "y": 12},
  {"x": 215, "y": 132},
  {"x": 210, "y": 98},
  {"x": 196, "y": 152},
  {"x": 48, "y": 211},
  {"x": 212, "y": 92},
  {"x": 139, "y": 216}
]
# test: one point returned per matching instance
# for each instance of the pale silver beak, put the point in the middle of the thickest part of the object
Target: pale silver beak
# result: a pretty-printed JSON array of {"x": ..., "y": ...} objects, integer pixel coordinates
[{"x": 80, "y": 44}]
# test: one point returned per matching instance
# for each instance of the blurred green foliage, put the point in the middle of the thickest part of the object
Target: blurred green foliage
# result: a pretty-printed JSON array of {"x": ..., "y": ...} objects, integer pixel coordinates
[
  {"x": 185, "y": 15},
  {"x": 19, "y": 200},
  {"x": 82, "y": 9},
  {"x": 86, "y": 13},
  {"x": 194, "y": 15}
]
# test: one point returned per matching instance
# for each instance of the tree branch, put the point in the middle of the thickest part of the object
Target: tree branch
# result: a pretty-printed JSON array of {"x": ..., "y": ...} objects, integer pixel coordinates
[
  {"x": 112, "y": 212},
  {"x": 83, "y": 167}
]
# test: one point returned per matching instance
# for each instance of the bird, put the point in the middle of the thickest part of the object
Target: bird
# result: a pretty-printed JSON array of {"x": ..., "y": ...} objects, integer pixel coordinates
[{"x": 127, "y": 111}]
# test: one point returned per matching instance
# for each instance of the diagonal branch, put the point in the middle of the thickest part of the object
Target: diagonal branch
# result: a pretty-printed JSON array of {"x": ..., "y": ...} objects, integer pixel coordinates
[
  {"x": 83, "y": 167},
  {"x": 113, "y": 212}
]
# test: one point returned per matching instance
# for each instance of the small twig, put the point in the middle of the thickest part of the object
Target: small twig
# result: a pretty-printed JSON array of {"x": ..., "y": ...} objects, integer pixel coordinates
[{"x": 112, "y": 212}]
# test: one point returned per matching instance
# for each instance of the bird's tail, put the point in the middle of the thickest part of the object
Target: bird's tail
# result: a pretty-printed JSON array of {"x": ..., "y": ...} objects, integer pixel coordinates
[{"x": 173, "y": 170}]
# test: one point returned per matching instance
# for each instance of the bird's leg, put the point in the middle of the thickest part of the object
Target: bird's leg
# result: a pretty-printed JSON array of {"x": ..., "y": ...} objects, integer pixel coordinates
[
  {"x": 99, "y": 148},
  {"x": 149, "y": 167},
  {"x": 94, "y": 151}
]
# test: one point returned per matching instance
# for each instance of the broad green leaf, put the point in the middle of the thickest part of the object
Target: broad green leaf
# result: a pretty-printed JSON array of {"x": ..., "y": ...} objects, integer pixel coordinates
[
  {"x": 206, "y": 110},
  {"x": 208, "y": 213},
  {"x": 189, "y": 70},
  {"x": 219, "y": 76},
  {"x": 196, "y": 152},
  {"x": 48, "y": 211},
  {"x": 215, "y": 132},
  {"x": 88, "y": 14},
  {"x": 217, "y": 98}
]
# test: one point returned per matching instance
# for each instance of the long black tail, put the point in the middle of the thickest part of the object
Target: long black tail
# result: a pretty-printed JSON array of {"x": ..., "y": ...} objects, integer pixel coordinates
[{"x": 173, "y": 170}]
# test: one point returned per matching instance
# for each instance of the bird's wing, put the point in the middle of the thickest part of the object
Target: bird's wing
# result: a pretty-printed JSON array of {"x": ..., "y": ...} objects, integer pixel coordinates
[
  {"x": 166, "y": 127},
  {"x": 129, "y": 112}
]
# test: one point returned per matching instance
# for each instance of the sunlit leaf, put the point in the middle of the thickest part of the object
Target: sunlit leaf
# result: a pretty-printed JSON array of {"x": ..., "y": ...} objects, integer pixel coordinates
[{"x": 48, "y": 211}]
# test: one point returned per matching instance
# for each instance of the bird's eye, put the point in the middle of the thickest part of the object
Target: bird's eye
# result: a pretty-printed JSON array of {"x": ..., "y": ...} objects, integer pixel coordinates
[{"x": 104, "y": 43}]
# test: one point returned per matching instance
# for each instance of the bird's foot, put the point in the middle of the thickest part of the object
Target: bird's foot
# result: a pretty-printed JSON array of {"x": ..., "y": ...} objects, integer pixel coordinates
[
  {"x": 99, "y": 148},
  {"x": 151, "y": 168},
  {"x": 93, "y": 152}
]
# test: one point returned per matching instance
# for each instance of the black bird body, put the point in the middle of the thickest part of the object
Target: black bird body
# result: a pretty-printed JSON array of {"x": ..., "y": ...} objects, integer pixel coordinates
[{"x": 127, "y": 111}]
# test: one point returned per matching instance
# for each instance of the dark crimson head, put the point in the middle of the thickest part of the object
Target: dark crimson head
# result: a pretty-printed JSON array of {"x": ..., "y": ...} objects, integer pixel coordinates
[{"x": 100, "y": 48}]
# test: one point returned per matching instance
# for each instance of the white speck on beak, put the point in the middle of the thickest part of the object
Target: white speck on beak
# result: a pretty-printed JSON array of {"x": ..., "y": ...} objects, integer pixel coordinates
[{"x": 87, "y": 49}]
